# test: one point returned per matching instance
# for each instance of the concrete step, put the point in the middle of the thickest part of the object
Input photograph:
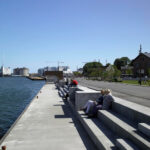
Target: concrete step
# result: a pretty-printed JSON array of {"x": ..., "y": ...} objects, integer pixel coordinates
[
  {"x": 66, "y": 86},
  {"x": 124, "y": 144},
  {"x": 144, "y": 128},
  {"x": 100, "y": 135},
  {"x": 60, "y": 94},
  {"x": 62, "y": 90},
  {"x": 134, "y": 112},
  {"x": 66, "y": 90},
  {"x": 123, "y": 128}
]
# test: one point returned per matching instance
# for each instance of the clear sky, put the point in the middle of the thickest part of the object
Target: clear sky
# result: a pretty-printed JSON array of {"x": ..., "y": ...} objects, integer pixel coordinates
[{"x": 38, "y": 33}]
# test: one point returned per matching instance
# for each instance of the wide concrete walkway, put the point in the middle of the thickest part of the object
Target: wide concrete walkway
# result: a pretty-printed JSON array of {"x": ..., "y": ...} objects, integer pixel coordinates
[
  {"x": 133, "y": 93},
  {"x": 47, "y": 124}
]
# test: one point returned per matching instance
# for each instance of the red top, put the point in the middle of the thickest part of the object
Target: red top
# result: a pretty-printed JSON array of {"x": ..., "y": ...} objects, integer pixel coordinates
[{"x": 75, "y": 82}]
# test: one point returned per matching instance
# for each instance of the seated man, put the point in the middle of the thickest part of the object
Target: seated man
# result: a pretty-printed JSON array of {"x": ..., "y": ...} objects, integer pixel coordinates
[{"x": 74, "y": 83}]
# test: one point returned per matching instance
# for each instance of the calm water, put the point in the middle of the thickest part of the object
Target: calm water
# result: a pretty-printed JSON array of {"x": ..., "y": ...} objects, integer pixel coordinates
[{"x": 15, "y": 94}]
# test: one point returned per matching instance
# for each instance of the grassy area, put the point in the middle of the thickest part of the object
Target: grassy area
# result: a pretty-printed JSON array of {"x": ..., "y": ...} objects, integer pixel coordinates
[{"x": 147, "y": 83}]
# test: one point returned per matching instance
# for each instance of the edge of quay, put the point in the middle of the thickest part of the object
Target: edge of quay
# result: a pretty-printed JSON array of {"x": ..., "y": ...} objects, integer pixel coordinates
[{"x": 12, "y": 126}]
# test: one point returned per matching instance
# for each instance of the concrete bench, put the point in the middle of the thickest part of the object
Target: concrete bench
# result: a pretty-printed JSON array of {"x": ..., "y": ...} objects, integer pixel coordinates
[
  {"x": 124, "y": 144},
  {"x": 72, "y": 92},
  {"x": 81, "y": 97},
  {"x": 102, "y": 137},
  {"x": 132, "y": 111},
  {"x": 144, "y": 128},
  {"x": 123, "y": 128}
]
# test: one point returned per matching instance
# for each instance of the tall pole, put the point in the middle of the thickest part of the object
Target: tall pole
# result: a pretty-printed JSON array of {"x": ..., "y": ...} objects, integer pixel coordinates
[{"x": 140, "y": 51}]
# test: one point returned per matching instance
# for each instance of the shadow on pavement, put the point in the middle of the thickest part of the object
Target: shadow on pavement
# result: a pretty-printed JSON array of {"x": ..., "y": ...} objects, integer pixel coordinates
[{"x": 68, "y": 113}]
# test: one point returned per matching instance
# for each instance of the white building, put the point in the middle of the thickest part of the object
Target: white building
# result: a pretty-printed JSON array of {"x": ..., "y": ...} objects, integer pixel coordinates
[
  {"x": 80, "y": 70},
  {"x": 4, "y": 71},
  {"x": 66, "y": 70}
]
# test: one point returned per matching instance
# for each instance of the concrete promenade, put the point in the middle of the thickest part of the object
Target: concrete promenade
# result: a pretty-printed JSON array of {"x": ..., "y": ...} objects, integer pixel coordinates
[
  {"x": 47, "y": 124},
  {"x": 133, "y": 93}
]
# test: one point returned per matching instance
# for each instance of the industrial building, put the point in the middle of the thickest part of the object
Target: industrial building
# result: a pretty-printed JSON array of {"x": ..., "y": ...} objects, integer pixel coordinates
[
  {"x": 65, "y": 69},
  {"x": 4, "y": 71},
  {"x": 21, "y": 72},
  {"x": 42, "y": 70}
]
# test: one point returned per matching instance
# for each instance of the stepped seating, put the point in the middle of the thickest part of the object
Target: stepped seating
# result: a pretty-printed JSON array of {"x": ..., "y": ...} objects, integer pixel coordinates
[
  {"x": 124, "y": 128},
  {"x": 144, "y": 128},
  {"x": 118, "y": 128},
  {"x": 63, "y": 91},
  {"x": 124, "y": 144},
  {"x": 134, "y": 112},
  {"x": 101, "y": 136}
]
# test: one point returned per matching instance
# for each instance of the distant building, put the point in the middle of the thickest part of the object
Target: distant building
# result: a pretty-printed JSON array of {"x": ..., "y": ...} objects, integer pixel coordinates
[
  {"x": 50, "y": 69},
  {"x": 42, "y": 70},
  {"x": 109, "y": 68},
  {"x": 5, "y": 71},
  {"x": 80, "y": 70},
  {"x": 21, "y": 71},
  {"x": 127, "y": 71},
  {"x": 141, "y": 64},
  {"x": 53, "y": 76},
  {"x": 65, "y": 69}
]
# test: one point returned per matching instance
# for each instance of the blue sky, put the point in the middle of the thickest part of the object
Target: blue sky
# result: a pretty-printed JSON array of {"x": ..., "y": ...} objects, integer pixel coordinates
[{"x": 38, "y": 33}]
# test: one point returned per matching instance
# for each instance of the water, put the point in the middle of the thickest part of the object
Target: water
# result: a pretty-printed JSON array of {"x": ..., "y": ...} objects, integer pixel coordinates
[{"x": 15, "y": 94}]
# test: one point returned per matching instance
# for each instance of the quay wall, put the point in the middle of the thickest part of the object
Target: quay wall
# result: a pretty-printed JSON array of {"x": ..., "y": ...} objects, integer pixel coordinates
[{"x": 13, "y": 125}]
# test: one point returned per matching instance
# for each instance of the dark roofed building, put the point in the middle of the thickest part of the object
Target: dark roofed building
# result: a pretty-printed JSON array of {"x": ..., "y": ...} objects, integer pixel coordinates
[{"x": 141, "y": 64}]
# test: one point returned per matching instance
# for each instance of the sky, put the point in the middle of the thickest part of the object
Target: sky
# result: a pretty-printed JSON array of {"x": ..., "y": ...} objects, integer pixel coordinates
[{"x": 39, "y": 33}]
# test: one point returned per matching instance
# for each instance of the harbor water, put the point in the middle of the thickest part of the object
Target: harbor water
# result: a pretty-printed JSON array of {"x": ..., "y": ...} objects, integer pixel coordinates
[{"x": 15, "y": 94}]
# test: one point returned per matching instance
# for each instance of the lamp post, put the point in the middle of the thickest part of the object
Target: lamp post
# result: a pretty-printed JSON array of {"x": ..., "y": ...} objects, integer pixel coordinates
[{"x": 140, "y": 51}]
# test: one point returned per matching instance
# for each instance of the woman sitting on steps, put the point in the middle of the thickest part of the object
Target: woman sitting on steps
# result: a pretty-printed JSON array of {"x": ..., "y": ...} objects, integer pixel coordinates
[{"x": 104, "y": 102}]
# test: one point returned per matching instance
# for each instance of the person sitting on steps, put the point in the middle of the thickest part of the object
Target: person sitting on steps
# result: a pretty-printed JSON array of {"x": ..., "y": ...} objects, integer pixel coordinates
[
  {"x": 104, "y": 102},
  {"x": 73, "y": 83}
]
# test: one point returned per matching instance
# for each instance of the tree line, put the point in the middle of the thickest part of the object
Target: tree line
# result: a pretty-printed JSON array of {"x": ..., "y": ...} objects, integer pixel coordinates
[{"x": 106, "y": 72}]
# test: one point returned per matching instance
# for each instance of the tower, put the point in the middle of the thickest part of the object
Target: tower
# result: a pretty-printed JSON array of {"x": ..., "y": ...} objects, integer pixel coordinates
[{"x": 140, "y": 51}]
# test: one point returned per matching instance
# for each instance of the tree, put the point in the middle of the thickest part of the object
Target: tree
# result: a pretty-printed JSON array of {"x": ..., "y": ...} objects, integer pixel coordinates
[
  {"x": 92, "y": 69},
  {"x": 123, "y": 61},
  {"x": 126, "y": 60},
  {"x": 77, "y": 74},
  {"x": 108, "y": 64},
  {"x": 118, "y": 63},
  {"x": 117, "y": 72},
  {"x": 129, "y": 71}
]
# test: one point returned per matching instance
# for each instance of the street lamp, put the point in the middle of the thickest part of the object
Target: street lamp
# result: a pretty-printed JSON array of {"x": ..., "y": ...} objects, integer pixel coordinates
[{"x": 140, "y": 70}]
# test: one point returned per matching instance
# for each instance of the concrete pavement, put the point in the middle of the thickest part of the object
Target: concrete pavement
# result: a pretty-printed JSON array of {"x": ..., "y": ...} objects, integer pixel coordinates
[
  {"x": 48, "y": 124},
  {"x": 133, "y": 93}
]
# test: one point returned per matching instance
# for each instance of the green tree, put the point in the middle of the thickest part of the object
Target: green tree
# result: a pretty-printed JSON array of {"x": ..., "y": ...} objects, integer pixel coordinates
[
  {"x": 92, "y": 69},
  {"x": 117, "y": 72},
  {"x": 126, "y": 60},
  {"x": 77, "y": 74},
  {"x": 129, "y": 71},
  {"x": 123, "y": 61}
]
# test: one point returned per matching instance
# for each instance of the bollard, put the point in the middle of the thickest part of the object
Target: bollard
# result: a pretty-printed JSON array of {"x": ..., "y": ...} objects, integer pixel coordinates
[{"x": 3, "y": 147}]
